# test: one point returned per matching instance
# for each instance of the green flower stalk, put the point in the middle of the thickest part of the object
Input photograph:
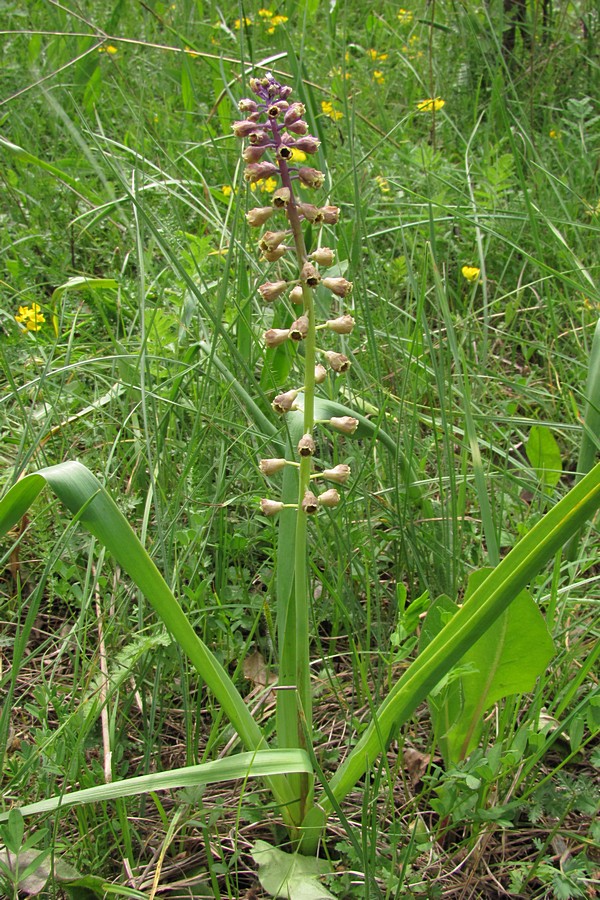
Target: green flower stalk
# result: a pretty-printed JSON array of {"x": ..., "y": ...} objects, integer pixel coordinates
[{"x": 274, "y": 128}]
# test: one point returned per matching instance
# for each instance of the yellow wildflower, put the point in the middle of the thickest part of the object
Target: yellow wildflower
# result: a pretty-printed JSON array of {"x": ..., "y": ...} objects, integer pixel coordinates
[
  {"x": 554, "y": 134},
  {"x": 241, "y": 23},
  {"x": 30, "y": 317},
  {"x": 405, "y": 16},
  {"x": 297, "y": 155},
  {"x": 264, "y": 185},
  {"x": 336, "y": 72},
  {"x": 226, "y": 190},
  {"x": 265, "y": 13},
  {"x": 471, "y": 273},
  {"x": 191, "y": 52},
  {"x": 108, "y": 49},
  {"x": 374, "y": 55},
  {"x": 378, "y": 76},
  {"x": 328, "y": 110},
  {"x": 382, "y": 183},
  {"x": 432, "y": 104},
  {"x": 274, "y": 22}
]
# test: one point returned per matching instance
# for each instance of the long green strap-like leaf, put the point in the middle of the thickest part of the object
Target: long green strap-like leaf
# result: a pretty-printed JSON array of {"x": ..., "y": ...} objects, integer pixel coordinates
[
  {"x": 84, "y": 496},
  {"x": 261, "y": 764},
  {"x": 479, "y": 612}
]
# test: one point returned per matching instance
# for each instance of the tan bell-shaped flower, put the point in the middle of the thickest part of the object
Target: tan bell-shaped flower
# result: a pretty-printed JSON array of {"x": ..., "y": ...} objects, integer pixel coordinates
[
  {"x": 338, "y": 286},
  {"x": 276, "y": 336},
  {"x": 296, "y": 294},
  {"x": 271, "y": 507},
  {"x": 259, "y": 215},
  {"x": 299, "y": 328},
  {"x": 310, "y": 503},
  {"x": 338, "y": 362},
  {"x": 339, "y": 474},
  {"x": 310, "y": 275},
  {"x": 320, "y": 373},
  {"x": 283, "y": 403},
  {"x": 271, "y": 466},
  {"x": 324, "y": 256},
  {"x": 306, "y": 445},
  {"x": 271, "y": 290},
  {"x": 329, "y": 498},
  {"x": 345, "y": 424},
  {"x": 341, "y": 325}
]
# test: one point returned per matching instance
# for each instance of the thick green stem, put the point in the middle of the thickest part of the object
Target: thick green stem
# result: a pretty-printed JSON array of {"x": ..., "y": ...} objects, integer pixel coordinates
[{"x": 301, "y": 619}]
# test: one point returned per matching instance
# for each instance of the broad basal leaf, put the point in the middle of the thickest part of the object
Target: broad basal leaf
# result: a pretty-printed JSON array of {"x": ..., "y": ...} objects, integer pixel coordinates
[
  {"x": 290, "y": 875},
  {"x": 505, "y": 660}
]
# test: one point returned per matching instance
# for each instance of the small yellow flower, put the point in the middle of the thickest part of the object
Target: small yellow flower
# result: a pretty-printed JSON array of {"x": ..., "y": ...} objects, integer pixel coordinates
[
  {"x": 378, "y": 76},
  {"x": 405, "y": 16},
  {"x": 240, "y": 23},
  {"x": 191, "y": 52},
  {"x": 265, "y": 13},
  {"x": 382, "y": 183},
  {"x": 336, "y": 72},
  {"x": 226, "y": 190},
  {"x": 264, "y": 185},
  {"x": 372, "y": 53},
  {"x": 471, "y": 273},
  {"x": 554, "y": 134},
  {"x": 274, "y": 22},
  {"x": 30, "y": 317},
  {"x": 297, "y": 155},
  {"x": 328, "y": 110},
  {"x": 432, "y": 104},
  {"x": 108, "y": 49}
]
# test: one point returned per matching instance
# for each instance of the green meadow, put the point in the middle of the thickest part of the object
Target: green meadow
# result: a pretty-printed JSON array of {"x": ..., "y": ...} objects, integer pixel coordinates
[{"x": 300, "y": 581}]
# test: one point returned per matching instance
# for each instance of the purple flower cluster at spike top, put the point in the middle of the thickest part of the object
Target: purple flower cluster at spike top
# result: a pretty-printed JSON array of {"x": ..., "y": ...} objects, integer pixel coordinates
[{"x": 278, "y": 139}]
